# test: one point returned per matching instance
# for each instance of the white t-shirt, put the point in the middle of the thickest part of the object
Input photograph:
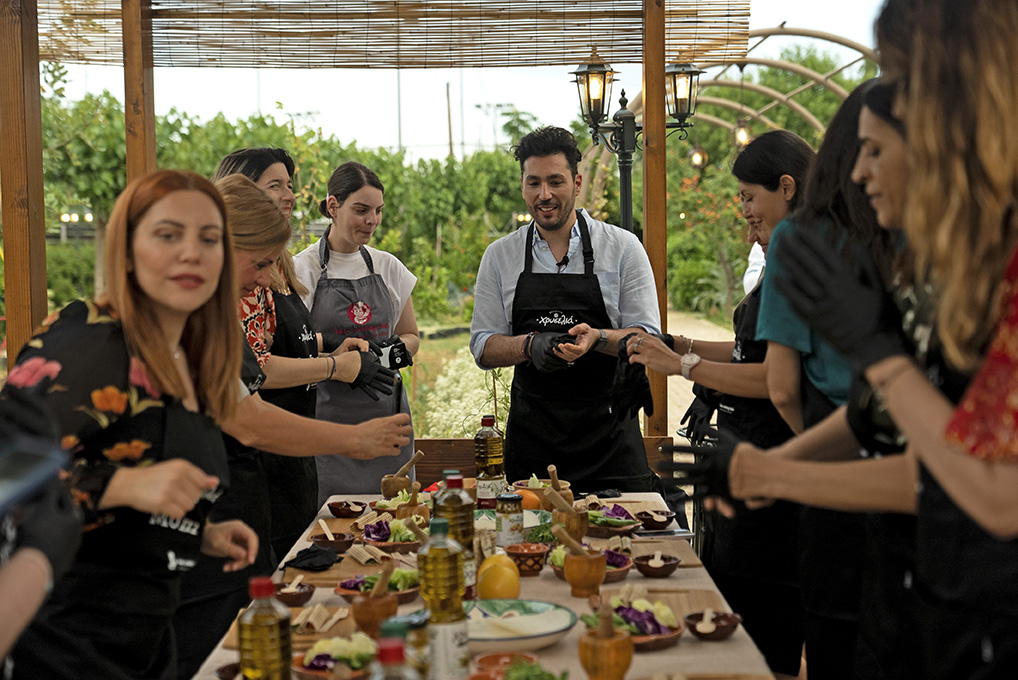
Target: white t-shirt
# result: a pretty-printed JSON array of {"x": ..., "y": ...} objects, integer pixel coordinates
[{"x": 349, "y": 266}]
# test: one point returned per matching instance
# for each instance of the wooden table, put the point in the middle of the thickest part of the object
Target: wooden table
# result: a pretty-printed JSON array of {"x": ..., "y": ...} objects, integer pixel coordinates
[{"x": 734, "y": 659}]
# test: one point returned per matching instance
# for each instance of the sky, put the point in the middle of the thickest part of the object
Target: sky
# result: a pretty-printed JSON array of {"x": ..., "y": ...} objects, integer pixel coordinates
[{"x": 364, "y": 105}]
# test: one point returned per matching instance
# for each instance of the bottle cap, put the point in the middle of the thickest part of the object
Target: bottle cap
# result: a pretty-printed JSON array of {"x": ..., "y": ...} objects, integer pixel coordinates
[
  {"x": 390, "y": 651},
  {"x": 261, "y": 586},
  {"x": 454, "y": 482},
  {"x": 487, "y": 421},
  {"x": 447, "y": 473},
  {"x": 439, "y": 527},
  {"x": 393, "y": 629}
]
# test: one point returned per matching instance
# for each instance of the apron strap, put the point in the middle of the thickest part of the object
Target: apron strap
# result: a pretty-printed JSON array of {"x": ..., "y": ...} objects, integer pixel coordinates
[
  {"x": 323, "y": 249},
  {"x": 367, "y": 259},
  {"x": 588, "y": 250}
]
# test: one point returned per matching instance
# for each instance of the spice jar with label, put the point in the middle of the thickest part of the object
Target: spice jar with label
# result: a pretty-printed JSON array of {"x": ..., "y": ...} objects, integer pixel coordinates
[{"x": 508, "y": 519}]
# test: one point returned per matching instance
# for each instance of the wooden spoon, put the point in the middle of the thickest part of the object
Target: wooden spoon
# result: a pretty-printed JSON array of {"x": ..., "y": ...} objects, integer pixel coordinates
[
  {"x": 706, "y": 625},
  {"x": 660, "y": 517},
  {"x": 325, "y": 528},
  {"x": 656, "y": 560},
  {"x": 568, "y": 541},
  {"x": 292, "y": 588}
]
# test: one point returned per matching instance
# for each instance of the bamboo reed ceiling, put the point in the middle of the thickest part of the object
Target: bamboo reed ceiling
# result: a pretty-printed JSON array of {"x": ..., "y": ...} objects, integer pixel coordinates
[{"x": 393, "y": 33}]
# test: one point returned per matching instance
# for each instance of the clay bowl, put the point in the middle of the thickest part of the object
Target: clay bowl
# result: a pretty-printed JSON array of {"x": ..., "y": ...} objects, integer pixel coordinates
[
  {"x": 340, "y": 542},
  {"x": 671, "y": 563},
  {"x": 487, "y": 674},
  {"x": 369, "y": 612},
  {"x": 529, "y": 557},
  {"x": 501, "y": 661},
  {"x": 724, "y": 622},
  {"x": 566, "y": 492},
  {"x": 343, "y": 509},
  {"x": 231, "y": 671},
  {"x": 299, "y": 598},
  {"x": 595, "y": 531},
  {"x": 652, "y": 643},
  {"x": 574, "y": 523},
  {"x": 610, "y": 575},
  {"x": 301, "y": 673},
  {"x": 401, "y": 547},
  {"x": 402, "y": 596},
  {"x": 584, "y": 573},
  {"x": 651, "y": 521}
]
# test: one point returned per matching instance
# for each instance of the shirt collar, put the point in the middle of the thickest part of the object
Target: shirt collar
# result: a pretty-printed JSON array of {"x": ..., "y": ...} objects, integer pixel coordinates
[{"x": 574, "y": 232}]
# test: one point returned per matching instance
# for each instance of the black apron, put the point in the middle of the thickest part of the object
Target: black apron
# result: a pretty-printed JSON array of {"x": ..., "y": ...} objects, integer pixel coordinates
[
  {"x": 293, "y": 482},
  {"x": 109, "y": 616},
  {"x": 759, "y": 544},
  {"x": 361, "y": 308},
  {"x": 565, "y": 417}
]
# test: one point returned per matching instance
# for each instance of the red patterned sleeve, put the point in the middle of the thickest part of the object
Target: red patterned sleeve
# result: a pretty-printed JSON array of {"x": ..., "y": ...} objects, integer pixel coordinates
[
  {"x": 985, "y": 424},
  {"x": 258, "y": 316}
]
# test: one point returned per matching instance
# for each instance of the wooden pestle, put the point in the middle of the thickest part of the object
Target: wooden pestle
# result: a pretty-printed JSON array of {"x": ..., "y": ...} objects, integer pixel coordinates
[
  {"x": 415, "y": 489},
  {"x": 417, "y": 531},
  {"x": 556, "y": 499},
  {"x": 553, "y": 474},
  {"x": 605, "y": 628},
  {"x": 568, "y": 541},
  {"x": 405, "y": 470},
  {"x": 382, "y": 586}
]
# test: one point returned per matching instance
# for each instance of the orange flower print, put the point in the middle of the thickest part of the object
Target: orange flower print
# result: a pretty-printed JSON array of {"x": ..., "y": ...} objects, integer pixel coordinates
[
  {"x": 31, "y": 371},
  {"x": 132, "y": 450},
  {"x": 109, "y": 399},
  {"x": 69, "y": 442},
  {"x": 138, "y": 375}
]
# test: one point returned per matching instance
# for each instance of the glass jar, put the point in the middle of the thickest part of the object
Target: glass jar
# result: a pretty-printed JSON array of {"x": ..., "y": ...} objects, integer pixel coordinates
[{"x": 508, "y": 519}]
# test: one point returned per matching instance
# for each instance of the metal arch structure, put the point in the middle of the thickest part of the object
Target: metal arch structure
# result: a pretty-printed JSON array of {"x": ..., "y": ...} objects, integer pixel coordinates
[
  {"x": 795, "y": 106},
  {"x": 732, "y": 106}
]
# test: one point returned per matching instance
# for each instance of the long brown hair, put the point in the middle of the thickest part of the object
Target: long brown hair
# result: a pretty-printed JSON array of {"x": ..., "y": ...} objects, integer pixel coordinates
[
  {"x": 211, "y": 336},
  {"x": 957, "y": 67}
]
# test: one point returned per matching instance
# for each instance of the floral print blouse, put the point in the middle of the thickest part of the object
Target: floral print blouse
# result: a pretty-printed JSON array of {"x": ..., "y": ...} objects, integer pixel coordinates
[{"x": 258, "y": 317}]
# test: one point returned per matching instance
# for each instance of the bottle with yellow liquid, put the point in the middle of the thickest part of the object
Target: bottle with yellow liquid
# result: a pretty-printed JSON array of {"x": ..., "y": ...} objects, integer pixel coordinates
[
  {"x": 455, "y": 504},
  {"x": 264, "y": 633},
  {"x": 440, "y": 561},
  {"x": 490, "y": 463}
]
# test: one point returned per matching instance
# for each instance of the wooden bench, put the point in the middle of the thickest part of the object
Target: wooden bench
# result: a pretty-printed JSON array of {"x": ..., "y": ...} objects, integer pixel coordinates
[{"x": 458, "y": 454}]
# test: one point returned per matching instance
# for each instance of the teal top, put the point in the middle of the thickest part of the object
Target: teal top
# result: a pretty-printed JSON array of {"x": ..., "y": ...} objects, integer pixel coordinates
[{"x": 825, "y": 367}]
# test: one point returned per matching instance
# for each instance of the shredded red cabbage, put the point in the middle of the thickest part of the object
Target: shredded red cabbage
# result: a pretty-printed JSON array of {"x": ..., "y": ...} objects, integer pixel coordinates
[
  {"x": 616, "y": 511},
  {"x": 356, "y": 583},
  {"x": 321, "y": 662},
  {"x": 645, "y": 622},
  {"x": 379, "y": 531},
  {"x": 615, "y": 560}
]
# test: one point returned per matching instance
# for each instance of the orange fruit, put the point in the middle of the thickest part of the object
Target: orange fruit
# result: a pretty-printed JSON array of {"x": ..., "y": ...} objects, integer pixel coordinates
[
  {"x": 503, "y": 561},
  {"x": 531, "y": 501},
  {"x": 499, "y": 582}
]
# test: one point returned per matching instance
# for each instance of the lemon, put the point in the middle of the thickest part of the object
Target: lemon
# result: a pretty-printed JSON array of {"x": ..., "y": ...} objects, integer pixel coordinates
[
  {"x": 498, "y": 582},
  {"x": 497, "y": 560}
]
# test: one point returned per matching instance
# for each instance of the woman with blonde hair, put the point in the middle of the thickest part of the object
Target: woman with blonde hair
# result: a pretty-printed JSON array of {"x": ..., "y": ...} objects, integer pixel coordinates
[{"x": 137, "y": 381}]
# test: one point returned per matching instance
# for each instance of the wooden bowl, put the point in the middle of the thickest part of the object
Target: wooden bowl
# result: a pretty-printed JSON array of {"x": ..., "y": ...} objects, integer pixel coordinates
[
  {"x": 605, "y": 658},
  {"x": 529, "y": 557},
  {"x": 566, "y": 492},
  {"x": 724, "y": 625},
  {"x": 595, "y": 531},
  {"x": 401, "y": 547},
  {"x": 584, "y": 573},
  {"x": 344, "y": 509},
  {"x": 402, "y": 596},
  {"x": 671, "y": 563},
  {"x": 299, "y": 598},
  {"x": 575, "y": 523},
  {"x": 652, "y": 643},
  {"x": 231, "y": 671},
  {"x": 369, "y": 612},
  {"x": 502, "y": 660},
  {"x": 651, "y": 521},
  {"x": 610, "y": 575},
  {"x": 301, "y": 673},
  {"x": 340, "y": 542}
]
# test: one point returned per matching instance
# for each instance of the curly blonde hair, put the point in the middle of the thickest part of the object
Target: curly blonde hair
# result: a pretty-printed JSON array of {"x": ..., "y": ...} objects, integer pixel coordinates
[{"x": 956, "y": 69}]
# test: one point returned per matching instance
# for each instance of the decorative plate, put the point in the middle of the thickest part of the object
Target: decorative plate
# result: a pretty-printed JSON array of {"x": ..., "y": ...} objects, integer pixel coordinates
[{"x": 482, "y": 642}]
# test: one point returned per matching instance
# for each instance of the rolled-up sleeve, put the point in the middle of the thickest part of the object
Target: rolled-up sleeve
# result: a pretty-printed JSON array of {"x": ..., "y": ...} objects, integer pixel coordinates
[
  {"x": 490, "y": 316},
  {"x": 637, "y": 292}
]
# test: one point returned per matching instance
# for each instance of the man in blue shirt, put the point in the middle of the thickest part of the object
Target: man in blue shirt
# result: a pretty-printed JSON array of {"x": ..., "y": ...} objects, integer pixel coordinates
[{"x": 553, "y": 299}]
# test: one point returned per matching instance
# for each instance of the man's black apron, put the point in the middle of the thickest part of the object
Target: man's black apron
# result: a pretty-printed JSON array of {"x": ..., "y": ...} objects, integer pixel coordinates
[
  {"x": 565, "y": 417},
  {"x": 359, "y": 308}
]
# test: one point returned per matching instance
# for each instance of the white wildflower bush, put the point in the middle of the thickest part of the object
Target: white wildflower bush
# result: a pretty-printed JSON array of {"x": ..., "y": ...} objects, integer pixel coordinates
[{"x": 462, "y": 393}]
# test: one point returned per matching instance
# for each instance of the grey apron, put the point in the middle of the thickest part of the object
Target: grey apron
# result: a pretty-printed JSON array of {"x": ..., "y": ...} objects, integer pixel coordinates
[{"x": 359, "y": 308}]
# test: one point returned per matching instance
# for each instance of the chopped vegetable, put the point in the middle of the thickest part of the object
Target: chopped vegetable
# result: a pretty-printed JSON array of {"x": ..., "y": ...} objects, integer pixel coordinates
[
  {"x": 644, "y": 621},
  {"x": 615, "y": 560},
  {"x": 356, "y": 652},
  {"x": 401, "y": 579},
  {"x": 601, "y": 518},
  {"x": 535, "y": 483},
  {"x": 524, "y": 670},
  {"x": 379, "y": 531},
  {"x": 541, "y": 534},
  {"x": 617, "y": 511},
  {"x": 557, "y": 557},
  {"x": 399, "y": 499},
  {"x": 394, "y": 531},
  {"x": 592, "y": 621}
]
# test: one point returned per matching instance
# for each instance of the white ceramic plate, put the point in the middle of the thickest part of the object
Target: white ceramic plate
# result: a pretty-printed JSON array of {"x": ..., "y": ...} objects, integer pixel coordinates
[{"x": 483, "y": 643}]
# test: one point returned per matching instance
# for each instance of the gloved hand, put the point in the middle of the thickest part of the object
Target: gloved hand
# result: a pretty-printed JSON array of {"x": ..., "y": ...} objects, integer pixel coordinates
[
  {"x": 851, "y": 311},
  {"x": 542, "y": 352},
  {"x": 52, "y": 525},
  {"x": 631, "y": 389},
  {"x": 697, "y": 421},
  {"x": 373, "y": 378},
  {"x": 709, "y": 473},
  {"x": 392, "y": 353}
]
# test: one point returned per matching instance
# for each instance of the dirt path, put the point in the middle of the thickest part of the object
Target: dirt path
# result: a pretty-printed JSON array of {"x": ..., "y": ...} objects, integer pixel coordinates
[{"x": 680, "y": 392}]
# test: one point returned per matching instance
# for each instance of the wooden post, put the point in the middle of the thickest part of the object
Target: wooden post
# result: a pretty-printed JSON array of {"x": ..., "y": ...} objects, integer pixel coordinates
[
  {"x": 139, "y": 105},
  {"x": 654, "y": 194},
  {"x": 24, "y": 220}
]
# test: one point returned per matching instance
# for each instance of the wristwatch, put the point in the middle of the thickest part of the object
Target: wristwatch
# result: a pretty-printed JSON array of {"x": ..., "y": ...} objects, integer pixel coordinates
[
  {"x": 689, "y": 362},
  {"x": 602, "y": 341}
]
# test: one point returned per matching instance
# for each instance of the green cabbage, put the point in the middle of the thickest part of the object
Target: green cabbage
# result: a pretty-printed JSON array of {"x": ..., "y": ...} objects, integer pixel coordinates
[{"x": 356, "y": 652}]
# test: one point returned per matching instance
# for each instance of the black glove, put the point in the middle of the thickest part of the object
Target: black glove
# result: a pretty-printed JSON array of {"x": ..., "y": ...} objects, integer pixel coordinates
[
  {"x": 631, "y": 389},
  {"x": 709, "y": 473},
  {"x": 392, "y": 353},
  {"x": 697, "y": 421},
  {"x": 851, "y": 311},
  {"x": 667, "y": 338},
  {"x": 542, "y": 351},
  {"x": 373, "y": 377},
  {"x": 52, "y": 525}
]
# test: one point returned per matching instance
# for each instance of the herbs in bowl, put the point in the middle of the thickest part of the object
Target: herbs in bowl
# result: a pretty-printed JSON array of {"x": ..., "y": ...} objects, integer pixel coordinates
[
  {"x": 525, "y": 670},
  {"x": 404, "y": 582}
]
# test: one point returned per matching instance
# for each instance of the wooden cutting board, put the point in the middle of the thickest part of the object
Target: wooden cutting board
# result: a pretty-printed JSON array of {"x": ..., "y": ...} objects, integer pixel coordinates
[
  {"x": 648, "y": 546},
  {"x": 345, "y": 569},
  {"x": 681, "y": 601},
  {"x": 300, "y": 642}
]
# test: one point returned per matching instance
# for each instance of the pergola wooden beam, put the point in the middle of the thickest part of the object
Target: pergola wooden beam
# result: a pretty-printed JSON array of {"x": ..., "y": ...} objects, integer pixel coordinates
[
  {"x": 21, "y": 195},
  {"x": 139, "y": 107}
]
